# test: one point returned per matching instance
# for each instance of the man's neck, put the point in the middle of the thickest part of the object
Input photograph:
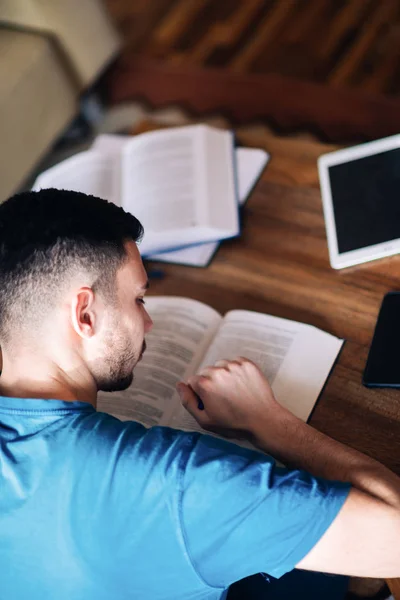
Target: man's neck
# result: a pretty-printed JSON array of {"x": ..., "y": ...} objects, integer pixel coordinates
[{"x": 44, "y": 392}]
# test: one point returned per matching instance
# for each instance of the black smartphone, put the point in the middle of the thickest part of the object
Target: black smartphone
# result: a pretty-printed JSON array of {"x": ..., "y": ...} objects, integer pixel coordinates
[{"x": 383, "y": 363}]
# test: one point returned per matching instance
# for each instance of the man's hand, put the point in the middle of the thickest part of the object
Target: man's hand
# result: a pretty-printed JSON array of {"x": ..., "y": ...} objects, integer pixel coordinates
[{"x": 236, "y": 398}]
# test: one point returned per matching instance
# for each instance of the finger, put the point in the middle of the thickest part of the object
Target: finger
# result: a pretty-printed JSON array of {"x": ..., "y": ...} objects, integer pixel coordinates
[
  {"x": 243, "y": 360},
  {"x": 190, "y": 400},
  {"x": 200, "y": 404},
  {"x": 210, "y": 370},
  {"x": 207, "y": 371},
  {"x": 229, "y": 364},
  {"x": 222, "y": 364},
  {"x": 197, "y": 382}
]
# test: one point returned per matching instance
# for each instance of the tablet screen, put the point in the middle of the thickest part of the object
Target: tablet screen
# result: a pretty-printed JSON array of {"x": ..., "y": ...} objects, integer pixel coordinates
[{"x": 366, "y": 200}]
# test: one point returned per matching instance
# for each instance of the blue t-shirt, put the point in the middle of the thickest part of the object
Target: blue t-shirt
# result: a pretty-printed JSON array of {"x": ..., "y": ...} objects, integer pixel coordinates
[{"x": 92, "y": 508}]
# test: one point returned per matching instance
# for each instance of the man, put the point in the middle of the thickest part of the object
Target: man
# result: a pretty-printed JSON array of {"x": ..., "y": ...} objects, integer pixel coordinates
[{"x": 92, "y": 507}]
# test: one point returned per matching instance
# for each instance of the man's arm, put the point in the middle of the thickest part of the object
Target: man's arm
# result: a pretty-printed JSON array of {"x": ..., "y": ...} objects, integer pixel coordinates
[{"x": 364, "y": 539}]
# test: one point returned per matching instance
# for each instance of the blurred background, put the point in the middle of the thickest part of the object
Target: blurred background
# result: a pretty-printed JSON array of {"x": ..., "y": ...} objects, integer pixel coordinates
[
  {"x": 340, "y": 43},
  {"x": 69, "y": 69}
]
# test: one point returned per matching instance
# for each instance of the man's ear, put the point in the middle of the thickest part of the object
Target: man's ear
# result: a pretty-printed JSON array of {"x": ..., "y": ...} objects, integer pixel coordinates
[{"x": 82, "y": 313}]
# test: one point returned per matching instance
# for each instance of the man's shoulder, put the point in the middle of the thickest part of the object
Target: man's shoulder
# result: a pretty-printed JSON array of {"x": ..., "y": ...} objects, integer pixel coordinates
[
  {"x": 105, "y": 434},
  {"x": 105, "y": 439},
  {"x": 107, "y": 425},
  {"x": 123, "y": 463}
]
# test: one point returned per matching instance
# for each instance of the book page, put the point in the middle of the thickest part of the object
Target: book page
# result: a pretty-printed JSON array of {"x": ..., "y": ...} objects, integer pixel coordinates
[
  {"x": 181, "y": 333},
  {"x": 110, "y": 143},
  {"x": 170, "y": 183},
  {"x": 250, "y": 163},
  {"x": 296, "y": 358},
  {"x": 90, "y": 172}
]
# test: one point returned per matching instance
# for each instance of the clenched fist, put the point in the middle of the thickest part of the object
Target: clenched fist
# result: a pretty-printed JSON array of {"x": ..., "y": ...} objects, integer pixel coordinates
[{"x": 237, "y": 398}]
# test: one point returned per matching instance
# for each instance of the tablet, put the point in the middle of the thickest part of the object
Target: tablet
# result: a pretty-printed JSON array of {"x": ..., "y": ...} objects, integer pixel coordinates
[{"x": 360, "y": 189}]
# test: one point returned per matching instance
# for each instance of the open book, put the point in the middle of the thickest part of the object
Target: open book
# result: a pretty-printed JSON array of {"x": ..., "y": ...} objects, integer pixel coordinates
[
  {"x": 187, "y": 335},
  {"x": 250, "y": 163},
  {"x": 179, "y": 182}
]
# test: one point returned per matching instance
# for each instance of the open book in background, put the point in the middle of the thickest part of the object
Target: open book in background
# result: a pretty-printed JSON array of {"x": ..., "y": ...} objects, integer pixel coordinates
[
  {"x": 179, "y": 182},
  {"x": 250, "y": 163},
  {"x": 187, "y": 335}
]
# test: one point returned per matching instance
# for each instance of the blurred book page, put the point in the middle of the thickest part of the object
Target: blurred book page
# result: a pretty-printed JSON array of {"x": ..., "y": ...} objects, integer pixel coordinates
[
  {"x": 250, "y": 164},
  {"x": 180, "y": 184},
  {"x": 90, "y": 172}
]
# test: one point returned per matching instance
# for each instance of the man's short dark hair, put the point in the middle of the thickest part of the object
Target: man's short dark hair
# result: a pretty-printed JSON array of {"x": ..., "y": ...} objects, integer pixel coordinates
[{"x": 45, "y": 238}]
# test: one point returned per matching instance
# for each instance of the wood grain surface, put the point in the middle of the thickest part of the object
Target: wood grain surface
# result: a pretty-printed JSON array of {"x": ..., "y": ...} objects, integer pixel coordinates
[
  {"x": 394, "y": 585},
  {"x": 286, "y": 104},
  {"x": 340, "y": 43}
]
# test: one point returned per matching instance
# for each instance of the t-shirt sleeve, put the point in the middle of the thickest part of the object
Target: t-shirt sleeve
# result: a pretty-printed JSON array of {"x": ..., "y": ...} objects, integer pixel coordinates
[{"x": 241, "y": 514}]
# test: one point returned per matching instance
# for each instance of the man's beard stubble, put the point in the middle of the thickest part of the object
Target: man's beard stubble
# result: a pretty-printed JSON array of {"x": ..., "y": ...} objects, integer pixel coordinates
[{"x": 118, "y": 379}]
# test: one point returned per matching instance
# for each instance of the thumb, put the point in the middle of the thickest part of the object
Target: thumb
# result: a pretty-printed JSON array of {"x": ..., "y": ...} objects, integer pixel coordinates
[{"x": 189, "y": 399}]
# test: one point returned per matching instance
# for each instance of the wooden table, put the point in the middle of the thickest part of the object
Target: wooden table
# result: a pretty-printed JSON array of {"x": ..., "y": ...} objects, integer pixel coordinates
[{"x": 280, "y": 266}]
